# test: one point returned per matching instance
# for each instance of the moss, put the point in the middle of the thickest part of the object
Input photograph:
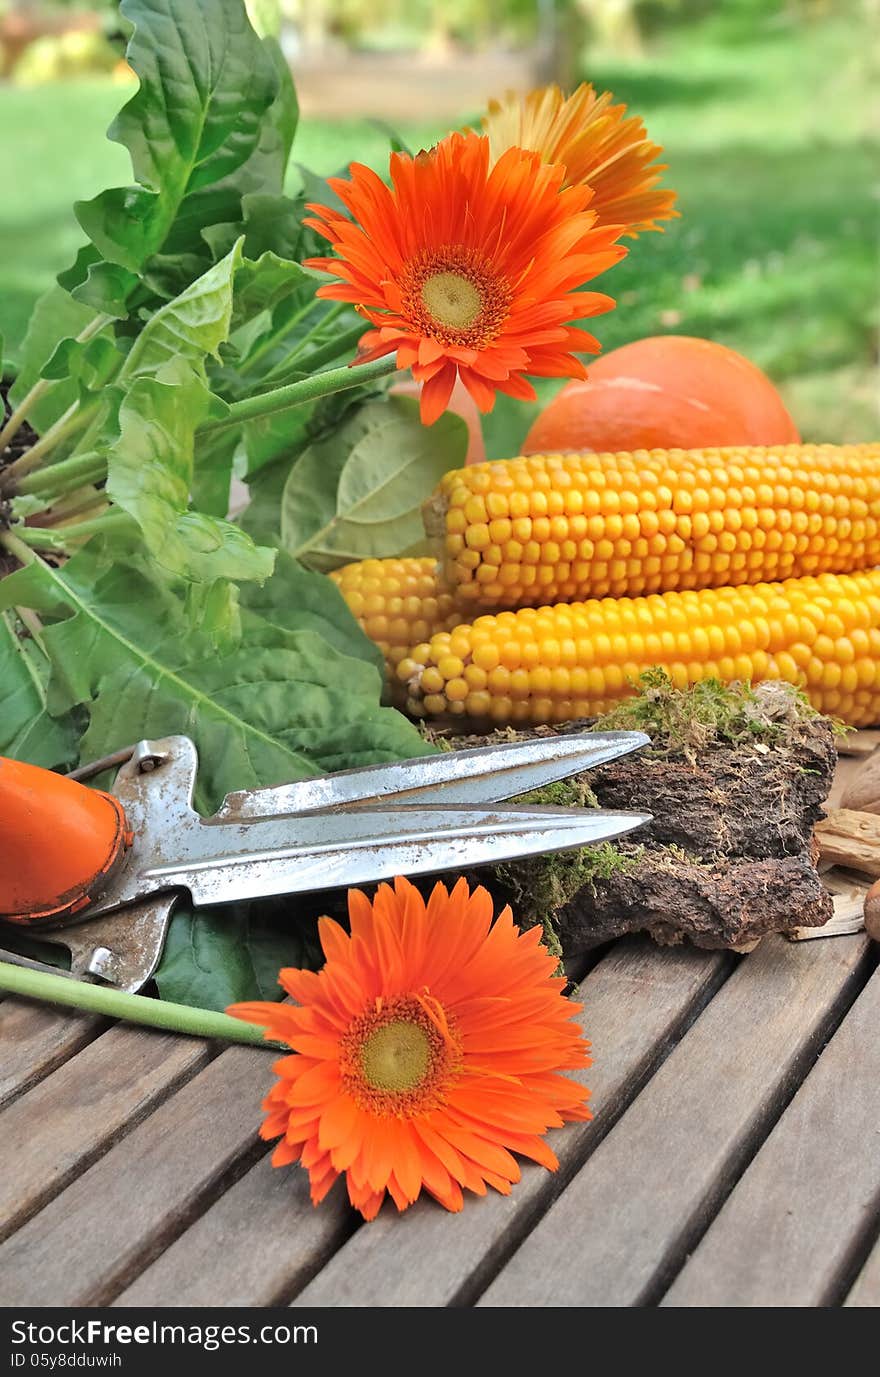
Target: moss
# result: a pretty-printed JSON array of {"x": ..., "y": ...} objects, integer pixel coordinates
[
  {"x": 564, "y": 793},
  {"x": 539, "y": 888},
  {"x": 687, "y": 721}
]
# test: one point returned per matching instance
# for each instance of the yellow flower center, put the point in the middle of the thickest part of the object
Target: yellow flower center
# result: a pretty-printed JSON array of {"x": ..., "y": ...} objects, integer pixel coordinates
[
  {"x": 397, "y": 1057},
  {"x": 452, "y": 299},
  {"x": 455, "y": 295}
]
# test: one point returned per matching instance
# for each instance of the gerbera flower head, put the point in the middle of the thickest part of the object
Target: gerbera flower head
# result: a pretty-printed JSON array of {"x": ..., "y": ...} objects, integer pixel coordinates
[
  {"x": 595, "y": 144},
  {"x": 468, "y": 269},
  {"x": 426, "y": 1052}
]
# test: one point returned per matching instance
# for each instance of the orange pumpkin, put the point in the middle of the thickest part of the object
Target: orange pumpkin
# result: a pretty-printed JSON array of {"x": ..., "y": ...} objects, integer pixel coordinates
[{"x": 667, "y": 392}]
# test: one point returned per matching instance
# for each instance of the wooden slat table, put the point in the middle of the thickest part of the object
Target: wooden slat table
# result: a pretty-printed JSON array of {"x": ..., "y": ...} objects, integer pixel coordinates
[{"x": 734, "y": 1160}]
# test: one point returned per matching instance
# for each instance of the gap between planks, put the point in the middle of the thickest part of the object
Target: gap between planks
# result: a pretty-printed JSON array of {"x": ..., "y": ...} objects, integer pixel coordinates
[
  {"x": 638, "y": 1001},
  {"x": 107, "y": 1225},
  {"x": 619, "y": 1233},
  {"x": 36, "y": 1040},
  {"x": 826, "y": 1148},
  {"x": 64, "y": 1123}
]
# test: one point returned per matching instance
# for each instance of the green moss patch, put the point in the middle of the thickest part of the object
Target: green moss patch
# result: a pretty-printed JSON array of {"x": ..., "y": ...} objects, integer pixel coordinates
[{"x": 688, "y": 721}]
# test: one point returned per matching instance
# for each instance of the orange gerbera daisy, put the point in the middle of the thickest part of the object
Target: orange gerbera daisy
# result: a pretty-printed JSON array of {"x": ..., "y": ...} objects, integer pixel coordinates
[
  {"x": 596, "y": 145},
  {"x": 466, "y": 269},
  {"x": 426, "y": 1051}
]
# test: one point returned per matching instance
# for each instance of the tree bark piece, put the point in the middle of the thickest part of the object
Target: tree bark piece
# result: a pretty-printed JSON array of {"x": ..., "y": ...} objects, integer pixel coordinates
[
  {"x": 725, "y": 904},
  {"x": 729, "y": 857}
]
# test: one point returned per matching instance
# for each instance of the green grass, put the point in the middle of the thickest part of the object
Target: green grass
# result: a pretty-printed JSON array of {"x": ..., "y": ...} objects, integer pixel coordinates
[{"x": 767, "y": 131}]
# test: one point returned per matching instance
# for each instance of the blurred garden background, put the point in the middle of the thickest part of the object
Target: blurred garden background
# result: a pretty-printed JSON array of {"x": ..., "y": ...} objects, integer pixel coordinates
[{"x": 767, "y": 110}]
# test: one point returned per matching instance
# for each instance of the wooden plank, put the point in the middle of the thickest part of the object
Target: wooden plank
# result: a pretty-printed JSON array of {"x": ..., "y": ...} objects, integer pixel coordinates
[
  {"x": 866, "y": 1288},
  {"x": 790, "y": 1230},
  {"x": 111, "y": 1222},
  {"x": 60, "y": 1126},
  {"x": 34, "y": 1040},
  {"x": 621, "y": 1229},
  {"x": 255, "y": 1246},
  {"x": 638, "y": 1000}
]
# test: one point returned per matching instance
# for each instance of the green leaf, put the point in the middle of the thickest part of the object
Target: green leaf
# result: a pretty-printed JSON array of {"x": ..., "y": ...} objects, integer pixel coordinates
[
  {"x": 89, "y": 364},
  {"x": 150, "y": 475},
  {"x": 106, "y": 287},
  {"x": 260, "y": 285},
  {"x": 191, "y": 326},
  {"x": 55, "y": 317},
  {"x": 280, "y": 702},
  {"x": 206, "y": 81},
  {"x": 217, "y": 956},
  {"x": 315, "y": 609},
  {"x": 27, "y": 732},
  {"x": 359, "y": 493},
  {"x": 271, "y": 223},
  {"x": 212, "y": 471}
]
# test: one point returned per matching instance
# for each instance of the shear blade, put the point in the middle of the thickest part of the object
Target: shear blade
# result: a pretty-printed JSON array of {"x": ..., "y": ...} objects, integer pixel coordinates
[
  {"x": 484, "y": 774},
  {"x": 330, "y": 850}
]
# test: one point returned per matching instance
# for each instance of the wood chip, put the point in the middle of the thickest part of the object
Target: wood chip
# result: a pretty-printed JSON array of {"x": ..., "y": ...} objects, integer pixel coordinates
[
  {"x": 849, "y": 838},
  {"x": 849, "y": 917}
]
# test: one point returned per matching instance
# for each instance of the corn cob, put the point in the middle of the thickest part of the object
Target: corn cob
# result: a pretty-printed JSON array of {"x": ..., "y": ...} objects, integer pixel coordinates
[
  {"x": 552, "y": 664},
  {"x": 560, "y": 527},
  {"x": 398, "y": 603}
]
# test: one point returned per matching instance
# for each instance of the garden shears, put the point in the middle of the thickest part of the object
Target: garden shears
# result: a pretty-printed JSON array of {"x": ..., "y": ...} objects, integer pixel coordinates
[{"x": 100, "y": 873}]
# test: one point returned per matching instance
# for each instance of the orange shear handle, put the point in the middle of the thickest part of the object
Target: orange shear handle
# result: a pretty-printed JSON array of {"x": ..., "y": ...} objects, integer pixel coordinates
[{"x": 58, "y": 843}]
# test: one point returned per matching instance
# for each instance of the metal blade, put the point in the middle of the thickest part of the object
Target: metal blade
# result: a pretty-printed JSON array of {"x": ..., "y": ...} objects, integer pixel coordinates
[
  {"x": 222, "y": 862},
  {"x": 485, "y": 774}
]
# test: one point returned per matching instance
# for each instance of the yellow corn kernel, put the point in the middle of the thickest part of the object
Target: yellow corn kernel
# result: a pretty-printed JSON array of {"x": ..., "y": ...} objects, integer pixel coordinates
[
  {"x": 592, "y": 651},
  {"x": 703, "y": 518},
  {"x": 400, "y": 604}
]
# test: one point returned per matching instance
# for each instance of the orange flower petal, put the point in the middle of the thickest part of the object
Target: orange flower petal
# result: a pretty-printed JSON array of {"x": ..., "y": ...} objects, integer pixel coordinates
[
  {"x": 465, "y": 263},
  {"x": 429, "y": 1052}
]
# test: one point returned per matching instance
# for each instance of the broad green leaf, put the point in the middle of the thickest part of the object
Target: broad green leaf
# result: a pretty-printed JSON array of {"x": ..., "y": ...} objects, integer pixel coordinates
[
  {"x": 190, "y": 327},
  {"x": 217, "y": 956},
  {"x": 315, "y": 608},
  {"x": 150, "y": 475},
  {"x": 55, "y": 317},
  {"x": 212, "y": 472},
  {"x": 27, "y": 732},
  {"x": 271, "y": 222},
  {"x": 206, "y": 81},
  {"x": 359, "y": 493},
  {"x": 280, "y": 703}
]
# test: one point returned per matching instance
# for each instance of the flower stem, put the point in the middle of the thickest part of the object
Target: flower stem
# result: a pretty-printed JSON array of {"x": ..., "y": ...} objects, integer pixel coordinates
[
  {"x": 39, "y": 538},
  {"x": 42, "y": 385},
  {"x": 58, "y": 537},
  {"x": 298, "y": 393},
  {"x": 153, "y": 1013},
  {"x": 70, "y": 474},
  {"x": 23, "y": 553}
]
